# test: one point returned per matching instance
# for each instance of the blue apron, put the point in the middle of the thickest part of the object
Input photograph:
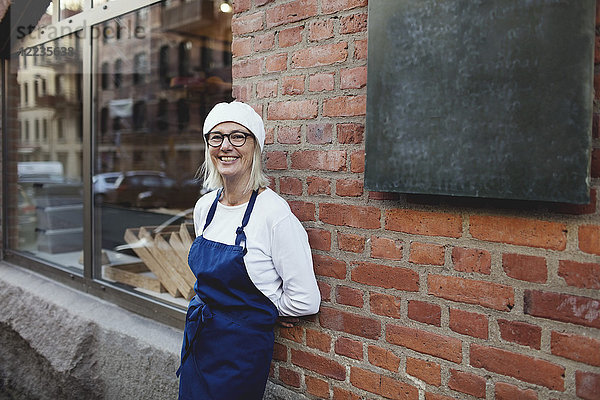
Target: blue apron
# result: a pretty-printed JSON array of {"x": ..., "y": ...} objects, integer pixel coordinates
[{"x": 228, "y": 337}]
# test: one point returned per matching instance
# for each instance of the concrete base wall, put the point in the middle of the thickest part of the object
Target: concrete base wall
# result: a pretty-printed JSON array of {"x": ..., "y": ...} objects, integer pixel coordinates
[{"x": 59, "y": 343}]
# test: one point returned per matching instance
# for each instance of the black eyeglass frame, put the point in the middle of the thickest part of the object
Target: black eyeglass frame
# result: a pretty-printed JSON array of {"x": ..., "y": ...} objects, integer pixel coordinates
[{"x": 228, "y": 136}]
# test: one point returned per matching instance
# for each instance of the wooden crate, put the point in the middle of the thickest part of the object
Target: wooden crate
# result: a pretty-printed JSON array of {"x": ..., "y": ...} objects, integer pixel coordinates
[{"x": 134, "y": 274}]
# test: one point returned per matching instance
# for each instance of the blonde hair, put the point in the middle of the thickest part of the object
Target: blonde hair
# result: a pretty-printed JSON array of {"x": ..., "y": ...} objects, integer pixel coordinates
[{"x": 212, "y": 179}]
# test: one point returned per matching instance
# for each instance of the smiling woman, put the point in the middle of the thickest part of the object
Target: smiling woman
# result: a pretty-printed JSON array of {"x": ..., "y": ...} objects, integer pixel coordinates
[{"x": 252, "y": 262}]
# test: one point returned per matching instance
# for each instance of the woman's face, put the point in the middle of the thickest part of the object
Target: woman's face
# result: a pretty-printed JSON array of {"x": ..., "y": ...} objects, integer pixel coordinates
[{"x": 233, "y": 162}]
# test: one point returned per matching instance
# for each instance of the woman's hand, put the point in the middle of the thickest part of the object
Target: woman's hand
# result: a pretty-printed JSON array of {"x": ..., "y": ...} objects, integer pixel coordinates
[{"x": 288, "y": 322}]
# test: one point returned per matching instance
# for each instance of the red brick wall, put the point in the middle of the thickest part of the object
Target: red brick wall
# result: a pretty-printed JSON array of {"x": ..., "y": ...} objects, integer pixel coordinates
[{"x": 426, "y": 297}]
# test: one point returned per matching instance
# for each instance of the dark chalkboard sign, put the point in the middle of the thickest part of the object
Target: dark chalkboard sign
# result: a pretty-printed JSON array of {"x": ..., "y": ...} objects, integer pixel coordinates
[{"x": 483, "y": 98}]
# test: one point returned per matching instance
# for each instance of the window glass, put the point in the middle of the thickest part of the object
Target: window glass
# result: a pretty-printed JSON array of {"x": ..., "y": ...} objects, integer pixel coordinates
[
  {"x": 148, "y": 140},
  {"x": 45, "y": 201}
]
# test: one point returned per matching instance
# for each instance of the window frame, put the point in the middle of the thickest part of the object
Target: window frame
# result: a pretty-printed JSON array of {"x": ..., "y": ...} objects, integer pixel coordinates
[{"x": 89, "y": 282}]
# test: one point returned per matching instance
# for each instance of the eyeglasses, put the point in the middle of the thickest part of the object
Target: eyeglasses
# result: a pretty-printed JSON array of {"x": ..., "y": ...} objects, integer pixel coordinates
[{"x": 236, "y": 138}]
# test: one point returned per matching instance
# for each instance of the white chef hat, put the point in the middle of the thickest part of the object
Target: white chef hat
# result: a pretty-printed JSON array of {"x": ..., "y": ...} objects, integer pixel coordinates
[{"x": 237, "y": 112}]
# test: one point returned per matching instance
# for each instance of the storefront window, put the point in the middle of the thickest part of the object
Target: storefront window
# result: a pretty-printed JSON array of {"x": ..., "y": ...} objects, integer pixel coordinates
[
  {"x": 68, "y": 8},
  {"x": 46, "y": 204},
  {"x": 145, "y": 161}
]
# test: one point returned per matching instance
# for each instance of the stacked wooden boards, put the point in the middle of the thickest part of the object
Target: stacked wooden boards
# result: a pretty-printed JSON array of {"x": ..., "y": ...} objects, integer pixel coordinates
[{"x": 164, "y": 252}]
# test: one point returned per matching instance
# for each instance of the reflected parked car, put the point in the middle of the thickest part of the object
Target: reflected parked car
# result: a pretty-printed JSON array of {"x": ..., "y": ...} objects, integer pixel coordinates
[
  {"x": 103, "y": 183},
  {"x": 142, "y": 189}
]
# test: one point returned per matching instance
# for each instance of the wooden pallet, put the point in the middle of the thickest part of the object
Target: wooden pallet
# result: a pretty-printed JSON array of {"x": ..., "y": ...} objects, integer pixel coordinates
[{"x": 164, "y": 252}]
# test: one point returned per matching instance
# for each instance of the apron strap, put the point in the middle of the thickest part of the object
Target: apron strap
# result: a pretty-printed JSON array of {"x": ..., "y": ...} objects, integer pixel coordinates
[
  {"x": 240, "y": 235},
  {"x": 211, "y": 211}
]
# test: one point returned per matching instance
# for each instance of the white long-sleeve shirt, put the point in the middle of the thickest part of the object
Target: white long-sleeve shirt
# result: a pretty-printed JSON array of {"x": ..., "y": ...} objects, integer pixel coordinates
[{"x": 279, "y": 260}]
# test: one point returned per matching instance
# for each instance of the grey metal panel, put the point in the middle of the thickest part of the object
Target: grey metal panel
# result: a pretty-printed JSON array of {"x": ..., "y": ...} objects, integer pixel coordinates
[{"x": 483, "y": 98}]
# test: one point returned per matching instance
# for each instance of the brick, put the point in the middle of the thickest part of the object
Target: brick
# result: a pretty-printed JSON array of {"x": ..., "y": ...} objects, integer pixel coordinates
[
  {"x": 329, "y": 266},
  {"x": 318, "y": 364},
  {"x": 353, "y": 78},
  {"x": 349, "y": 187},
  {"x": 519, "y": 231},
  {"x": 472, "y": 260},
  {"x": 357, "y": 161},
  {"x": 292, "y": 110},
  {"x": 519, "y": 366},
  {"x": 325, "y": 290},
  {"x": 246, "y": 68},
  {"x": 349, "y": 296},
  {"x": 247, "y": 23},
  {"x": 426, "y": 253},
  {"x": 383, "y": 195},
  {"x": 383, "y": 358},
  {"x": 291, "y": 186},
  {"x": 276, "y": 62},
  {"x": 331, "y": 6},
  {"x": 242, "y": 46},
  {"x": 333, "y": 160},
  {"x": 319, "y": 239},
  {"x": 342, "y": 394},
  {"x": 595, "y": 165},
  {"x": 563, "y": 307},
  {"x": 318, "y": 340},
  {"x": 486, "y": 294},
  {"x": 270, "y": 135},
  {"x": 303, "y": 210},
  {"x": 321, "y": 82},
  {"x": 505, "y": 391},
  {"x": 345, "y": 106},
  {"x": 320, "y": 30},
  {"x": 276, "y": 160},
  {"x": 427, "y": 371},
  {"x": 468, "y": 383},
  {"x": 521, "y": 333},
  {"x": 240, "y": 6},
  {"x": 266, "y": 89},
  {"x": 289, "y": 377},
  {"x": 353, "y": 23},
  {"x": 242, "y": 93},
  {"x": 349, "y": 348},
  {"x": 317, "y": 185},
  {"x": 350, "y": 133},
  {"x": 587, "y": 385},
  {"x": 385, "y": 276},
  {"x": 382, "y": 385},
  {"x": 291, "y": 12},
  {"x": 360, "y": 49},
  {"x": 295, "y": 333},
  {"x": 317, "y": 56},
  {"x": 525, "y": 268},
  {"x": 385, "y": 304},
  {"x": 436, "y": 396},
  {"x": 264, "y": 42},
  {"x": 293, "y": 85},
  {"x": 351, "y": 242},
  {"x": 445, "y": 347},
  {"x": 353, "y": 324},
  {"x": 424, "y": 223},
  {"x": 581, "y": 275},
  {"x": 386, "y": 248},
  {"x": 365, "y": 217},
  {"x": 574, "y": 347},
  {"x": 291, "y": 36},
  {"x": 589, "y": 239},
  {"x": 469, "y": 323},
  {"x": 317, "y": 387},
  {"x": 319, "y": 133},
  {"x": 289, "y": 134},
  {"x": 425, "y": 312},
  {"x": 279, "y": 352}
]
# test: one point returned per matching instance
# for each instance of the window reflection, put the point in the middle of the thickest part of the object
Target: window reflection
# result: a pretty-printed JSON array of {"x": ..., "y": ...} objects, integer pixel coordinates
[
  {"x": 68, "y": 8},
  {"x": 47, "y": 154},
  {"x": 148, "y": 136}
]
